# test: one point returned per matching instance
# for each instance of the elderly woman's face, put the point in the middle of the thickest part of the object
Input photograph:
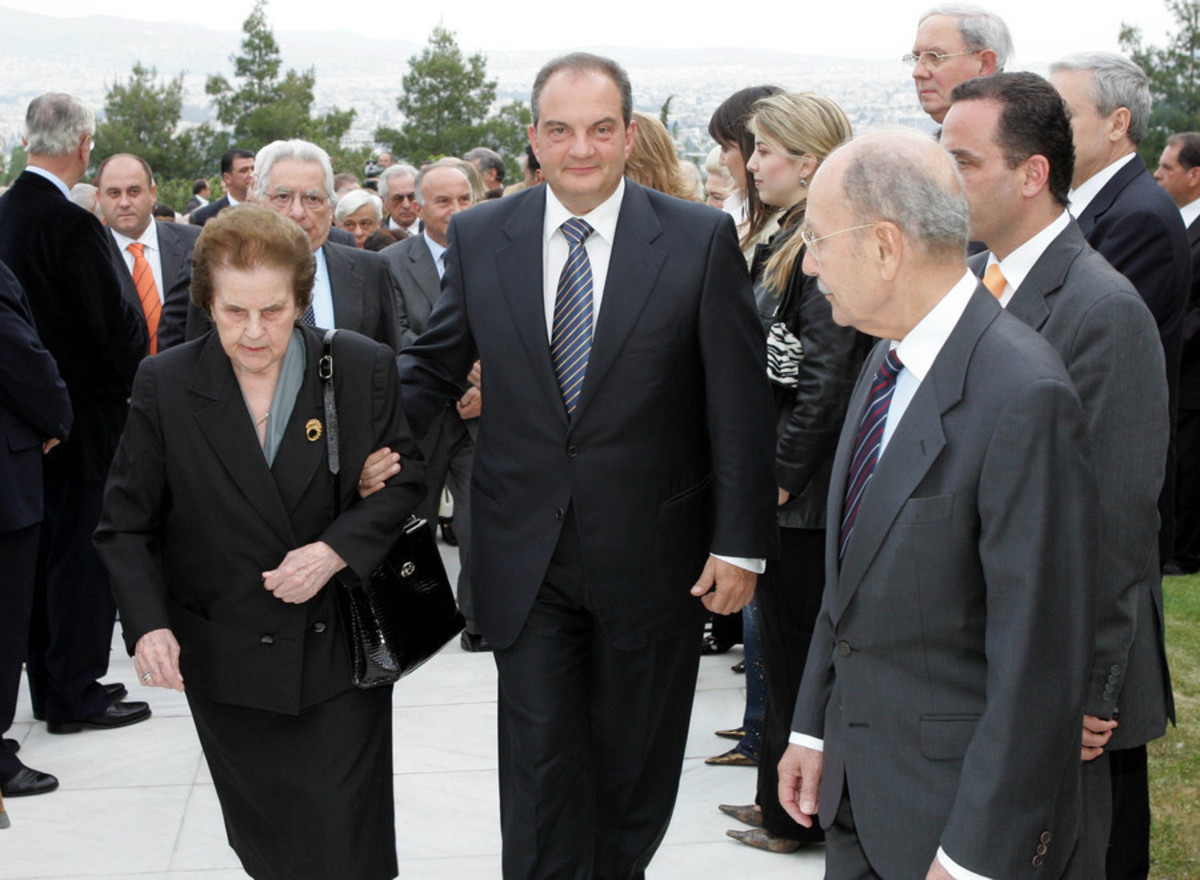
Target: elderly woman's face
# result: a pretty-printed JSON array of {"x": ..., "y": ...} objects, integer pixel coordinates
[
  {"x": 360, "y": 224},
  {"x": 254, "y": 311}
]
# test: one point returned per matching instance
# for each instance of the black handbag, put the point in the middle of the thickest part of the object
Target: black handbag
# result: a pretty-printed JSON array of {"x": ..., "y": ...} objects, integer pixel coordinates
[{"x": 405, "y": 612}]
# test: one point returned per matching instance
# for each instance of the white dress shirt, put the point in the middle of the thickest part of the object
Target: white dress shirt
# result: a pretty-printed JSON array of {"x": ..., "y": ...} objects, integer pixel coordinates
[
  {"x": 322, "y": 295},
  {"x": 52, "y": 177},
  {"x": 1017, "y": 265},
  {"x": 1080, "y": 198},
  {"x": 149, "y": 241},
  {"x": 1190, "y": 212},
  {"x": 437, "y": 251}
]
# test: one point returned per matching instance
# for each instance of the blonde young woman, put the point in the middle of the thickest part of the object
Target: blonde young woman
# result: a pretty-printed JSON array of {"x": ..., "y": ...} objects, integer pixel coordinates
[{"x": 812, "y": 364}]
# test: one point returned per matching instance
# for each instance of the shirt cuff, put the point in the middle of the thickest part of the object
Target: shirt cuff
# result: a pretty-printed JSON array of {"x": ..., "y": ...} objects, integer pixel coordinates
[
  {"x": 758, "y": 566},
  {"x": 803, "y": 739},
  {"x": 957, "y": 871}
]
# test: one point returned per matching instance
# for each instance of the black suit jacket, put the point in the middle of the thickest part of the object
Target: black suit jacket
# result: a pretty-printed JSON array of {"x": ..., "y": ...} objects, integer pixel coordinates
[
  {"x": 193, "y": 516},
  {"x": 947, "y": 666},
  {"x": 60, "y": 254},
  {"x": 1189, "y": 365},
  {"x": 1106, "y": 336},
  {"x": 212, "y": 209},
  {"x": 175, "y": 244},
  {"x": 669, "y": 453},
  {"x": 34, "y": 407}
]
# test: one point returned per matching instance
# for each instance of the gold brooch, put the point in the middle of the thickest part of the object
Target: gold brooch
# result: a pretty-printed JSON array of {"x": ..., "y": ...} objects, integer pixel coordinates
[{"x": 312, "y": 430}]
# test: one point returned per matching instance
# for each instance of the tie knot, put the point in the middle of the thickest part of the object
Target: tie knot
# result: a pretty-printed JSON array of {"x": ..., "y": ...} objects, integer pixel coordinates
[
  {"x": 994, "y": 280},
  {"x": 891, "y": 366},
  {"x": 576, "y": 230},
  {"x": 136, "y": 248}
]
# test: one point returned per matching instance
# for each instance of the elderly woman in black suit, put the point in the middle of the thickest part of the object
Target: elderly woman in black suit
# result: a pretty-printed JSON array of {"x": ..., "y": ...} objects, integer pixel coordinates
[{"x": 220, "y": 536}]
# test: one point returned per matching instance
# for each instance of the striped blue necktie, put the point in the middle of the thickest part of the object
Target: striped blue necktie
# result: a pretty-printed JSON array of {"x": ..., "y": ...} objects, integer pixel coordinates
[
  {"x": 571, "y": 335},
  {"x": 866, "y": 449}
]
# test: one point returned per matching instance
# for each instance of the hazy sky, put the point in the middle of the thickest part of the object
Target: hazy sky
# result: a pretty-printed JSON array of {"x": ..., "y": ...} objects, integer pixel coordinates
[{"x": 1042, "y": 29}]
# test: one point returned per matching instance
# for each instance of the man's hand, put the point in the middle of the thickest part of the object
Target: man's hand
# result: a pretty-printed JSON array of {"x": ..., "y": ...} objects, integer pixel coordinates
[
  {"x": 50, "y": 444},
  {"x": 380, "y": 466},
  {"x": 470, "y": 405},
  {"x": 784, "y": 496},
  {"x": 723, "y": 587},
  {"x": 303, "y": 572},
  {"x": 800, "y": 782},
  {"x": 156, "y": 660},
  {"x": 475, "y": 377},
  {"x": 937, "y": 871},
  {"x": 1096, "y": 734}
]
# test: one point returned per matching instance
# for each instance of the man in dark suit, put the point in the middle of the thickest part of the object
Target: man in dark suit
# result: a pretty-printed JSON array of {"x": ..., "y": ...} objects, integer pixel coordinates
[
  {"x": 60, "y": 254},
  {"x": 1178, "y": 173},
  {"x": 200, "y": 193},
  {"x": 1012, "y": 140},
  {"x": 417, "y": 265},
  {"x": 35, "y": 416},
  {"x": 150, "y": 258},
  {"x": 1135, "y": 226},
  {"x": 353, "y": 288},
  {"x": 398, "y": 189},
  {"x": 954, "y": 45},
  {"x": 939, "y": 713},
  {"x": 609, "y": 467},
  {"x": 237, "y": 173}
]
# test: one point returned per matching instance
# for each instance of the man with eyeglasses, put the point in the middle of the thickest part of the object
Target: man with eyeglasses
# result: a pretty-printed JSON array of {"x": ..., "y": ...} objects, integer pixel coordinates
[
  {"x": 398, "y": 189},
  {"x": 936, "y": 730},
  {"x": 955, "y": 42},
  {"x": 353, "y": 289},
  {"x": 59, "y": 254}
]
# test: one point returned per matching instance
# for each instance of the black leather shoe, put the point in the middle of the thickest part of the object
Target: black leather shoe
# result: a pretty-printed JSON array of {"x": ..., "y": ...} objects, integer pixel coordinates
[
  {"x": 447, "y": 526},
  {"x": 119, "y": 714},
  {"x": 116, "y": 691},
  {"x": 474, "y": 643},
  {"x": 28, "y": 781}
]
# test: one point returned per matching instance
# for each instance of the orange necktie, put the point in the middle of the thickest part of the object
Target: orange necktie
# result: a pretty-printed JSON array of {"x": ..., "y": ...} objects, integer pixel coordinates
[
  {"x": 143, "y": 280},
  {"x": 994, "y": 280}
]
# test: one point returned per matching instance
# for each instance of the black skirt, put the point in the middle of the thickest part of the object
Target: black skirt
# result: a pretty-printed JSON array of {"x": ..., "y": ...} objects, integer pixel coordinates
[{"x": 308, "y": 796}]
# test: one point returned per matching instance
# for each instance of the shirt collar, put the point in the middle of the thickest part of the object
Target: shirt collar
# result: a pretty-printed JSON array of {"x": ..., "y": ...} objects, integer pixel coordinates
[
  {"x": 919, "y": 349},
  {"x": 435, "y": 249},
  {"x": 1190, "y": 212},
  {"x": 149, "y": 237},
  {"x": 602, "y": 218},
  {"x": 52, "y": 177},
  {"x": 1090, "y": 188},
  {"x": 1016, "y": 265}
]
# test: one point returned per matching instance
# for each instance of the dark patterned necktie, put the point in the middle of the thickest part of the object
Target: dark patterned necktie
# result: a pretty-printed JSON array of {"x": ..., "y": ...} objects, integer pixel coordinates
[
  {"x": 571, "y": 335},
  {"x": 866, "y": 448}
]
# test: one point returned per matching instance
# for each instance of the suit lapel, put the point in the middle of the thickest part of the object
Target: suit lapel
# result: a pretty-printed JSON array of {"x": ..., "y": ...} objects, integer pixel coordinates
[
  {"x": 1031, "y": 303},
  {"x": 122, "y": 269},
  {"x": 345, "y": 284},
  {"x": 519, "y": 267},
  {"x": 222, "y": 418},
  {"x": 298, "y": 458},
  {"x": 1108, "y": 194},
  {"x": 424, "y": 272},
  {"x": 632, "y": 273}
]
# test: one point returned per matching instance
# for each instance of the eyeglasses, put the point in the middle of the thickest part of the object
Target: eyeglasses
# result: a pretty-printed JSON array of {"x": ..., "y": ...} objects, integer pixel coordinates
[
  {"x": 397, "y": 198},
  {"x": 810, "y": 240},
  {"x": 932, "y": 60},
  {"x": 311, "y": 201}
]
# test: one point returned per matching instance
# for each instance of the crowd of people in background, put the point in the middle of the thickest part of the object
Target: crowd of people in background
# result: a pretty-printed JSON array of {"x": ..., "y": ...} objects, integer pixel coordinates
[{"x": 965, "y": 361}]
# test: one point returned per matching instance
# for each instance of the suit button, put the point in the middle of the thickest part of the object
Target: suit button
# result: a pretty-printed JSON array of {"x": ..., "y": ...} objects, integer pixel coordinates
[
  {"x": 267, "y": 639},
  {"x": 1037, "y": 861},
  {"x": 1114, "y": 669},
  {"x": 319, "y": 626},
  {"x": 572, "y": 451},
  {"x": 1045, "y": 838},
  {"x": 844, "y": 648},
  {"x": 558, "y": 513},
  {"x": 1041, "y": 849}
]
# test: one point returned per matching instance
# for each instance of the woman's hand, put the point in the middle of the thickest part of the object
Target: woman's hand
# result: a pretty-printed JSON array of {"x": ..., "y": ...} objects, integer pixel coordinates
[
  {"x": 303, "y": 572},
  {"x": 380, "y": 466},
  {"x": 156, "y": 660}
]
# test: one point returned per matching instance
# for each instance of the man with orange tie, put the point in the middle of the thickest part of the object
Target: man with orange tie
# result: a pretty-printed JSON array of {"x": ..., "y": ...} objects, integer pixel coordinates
[
  {"x": 60, "y": 255},
  {"x": 153, "y": 260}
]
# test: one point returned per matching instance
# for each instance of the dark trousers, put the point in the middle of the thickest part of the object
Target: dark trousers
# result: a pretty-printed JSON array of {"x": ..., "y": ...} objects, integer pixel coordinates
[
  {"x": 1129, "y": 842},
  {"x": 70, "y": 635},
  {"x": 591, "y": 738},
  {"x": 18, "y": 550},
  {"x": 789, "y": 598},
  {"x": 844, "y": 855},
  {"x": 1187, "y": 492}
]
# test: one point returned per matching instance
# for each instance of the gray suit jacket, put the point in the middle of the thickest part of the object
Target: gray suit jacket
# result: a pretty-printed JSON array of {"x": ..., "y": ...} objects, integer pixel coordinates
[
  {"x": 175, "y": 243},
  {"x": 417, "y": 281},
  {"x": 946, "y": 671},
  {"x": 1105, "y": 334}
]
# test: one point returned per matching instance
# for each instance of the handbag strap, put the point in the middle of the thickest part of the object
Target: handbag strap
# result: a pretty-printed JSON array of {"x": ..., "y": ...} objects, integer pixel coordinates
[{"x": 325, "y": 371}]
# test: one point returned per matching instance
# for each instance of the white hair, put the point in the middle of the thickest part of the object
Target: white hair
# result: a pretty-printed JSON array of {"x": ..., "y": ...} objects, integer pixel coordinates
[
  {"x": 355, "y": 199},
  {"x": 54, "y": 123},
  {"x": 978, "y": 28},
  {"x": 295, "y": 149}
]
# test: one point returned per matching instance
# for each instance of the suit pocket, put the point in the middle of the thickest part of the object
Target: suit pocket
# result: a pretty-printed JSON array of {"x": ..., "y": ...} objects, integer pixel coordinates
[
  {"x": 935, "y": 508},
  {"x": 946, "y": 737}
]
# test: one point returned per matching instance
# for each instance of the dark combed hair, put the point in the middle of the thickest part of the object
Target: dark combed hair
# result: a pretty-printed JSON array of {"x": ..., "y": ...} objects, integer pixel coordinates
[
  {"x": 1189, "y": 147},
  {"x": 230, "y": 155},
  {"x": 728, "y": 126},
  {"x": 1033, "y": 121},
  {"x": 249, "y": 237},
  {"x": 584, "y": 62}
]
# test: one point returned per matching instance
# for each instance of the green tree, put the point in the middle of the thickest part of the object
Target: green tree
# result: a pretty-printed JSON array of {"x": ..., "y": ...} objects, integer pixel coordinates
[
  {"x": 263, "y": 105},
  {"x": 1174, "y": 72},
  {"x": 16, "y": 164},
  {"x": 142, "y": 116},
  {"x": 447, "y": 106}
]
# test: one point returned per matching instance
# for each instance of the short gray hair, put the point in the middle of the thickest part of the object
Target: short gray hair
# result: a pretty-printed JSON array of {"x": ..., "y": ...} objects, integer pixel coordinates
[
  {"x": 890, "y": 177},
  {"x": 441, "y": 163},
  {"x": 398, "y": 169},
  {"x": 54, "y": 122},
  {"x": 1116, "y": 82},
  {"x": 979, "y": 29},
  {"x": 355, "y": 199},
  {"x": 298, "y": 150},
  {"x": 487, "y": 158}
]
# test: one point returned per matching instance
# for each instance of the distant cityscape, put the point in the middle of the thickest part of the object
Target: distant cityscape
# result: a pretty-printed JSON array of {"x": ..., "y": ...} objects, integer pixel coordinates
[{"x": 85, "y": 56}]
